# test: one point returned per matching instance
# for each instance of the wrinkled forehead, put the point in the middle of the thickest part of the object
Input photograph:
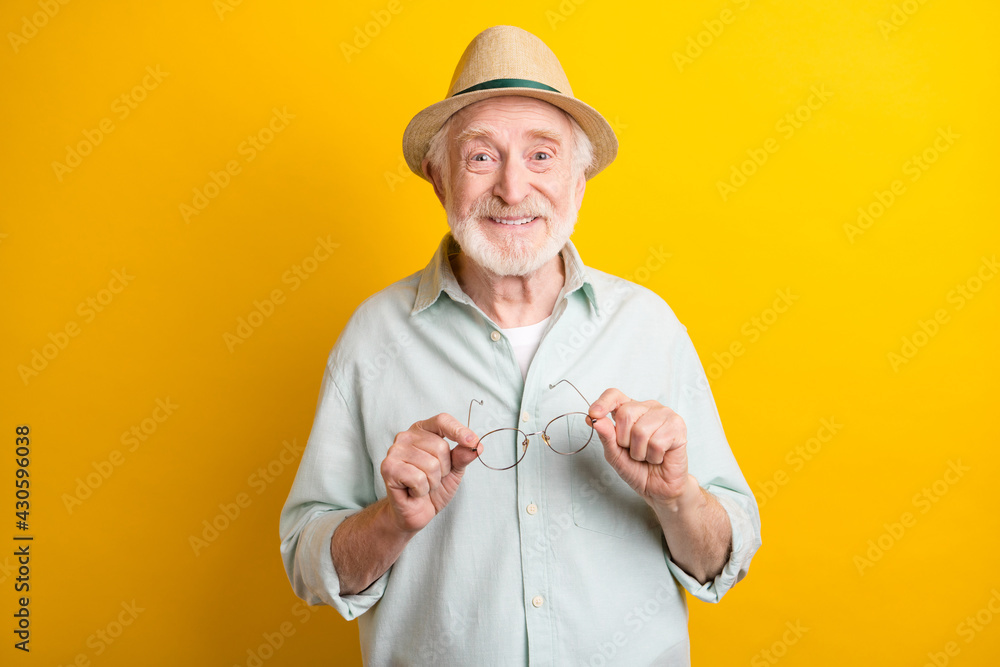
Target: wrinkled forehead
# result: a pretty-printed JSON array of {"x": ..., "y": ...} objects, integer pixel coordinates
[{"x": 512, "y": 117}]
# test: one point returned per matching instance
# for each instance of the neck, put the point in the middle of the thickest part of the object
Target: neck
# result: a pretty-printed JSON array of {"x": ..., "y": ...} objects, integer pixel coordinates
[{"x": 512, "y": 301}]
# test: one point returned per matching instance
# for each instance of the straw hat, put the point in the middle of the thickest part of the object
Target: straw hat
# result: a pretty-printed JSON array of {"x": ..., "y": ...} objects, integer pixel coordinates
[{"x": 504, "y": 60}]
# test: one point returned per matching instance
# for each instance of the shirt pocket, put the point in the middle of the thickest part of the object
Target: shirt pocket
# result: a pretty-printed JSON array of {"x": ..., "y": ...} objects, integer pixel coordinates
[{"x": 601, "y": 500}]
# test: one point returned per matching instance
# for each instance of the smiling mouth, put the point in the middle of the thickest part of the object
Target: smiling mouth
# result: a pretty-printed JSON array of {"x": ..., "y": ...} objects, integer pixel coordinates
[{"x": 514, "y": 221}]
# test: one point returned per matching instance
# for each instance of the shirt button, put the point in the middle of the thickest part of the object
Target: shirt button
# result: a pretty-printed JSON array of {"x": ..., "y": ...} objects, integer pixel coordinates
[
  {"x": 532, "y": 509},
  {"x": 495, "y": 336},
  {"x": 537, "y": 601},
  {"x": 525, "y": 416}
]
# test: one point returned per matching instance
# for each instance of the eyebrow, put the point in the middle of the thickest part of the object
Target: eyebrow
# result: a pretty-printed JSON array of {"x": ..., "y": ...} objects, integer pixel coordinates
[{"x": 487, "y": 130}]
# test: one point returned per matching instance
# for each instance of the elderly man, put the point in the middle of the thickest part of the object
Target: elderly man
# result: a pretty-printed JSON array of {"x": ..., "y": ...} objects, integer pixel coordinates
[{"x": 575, "y": 550}]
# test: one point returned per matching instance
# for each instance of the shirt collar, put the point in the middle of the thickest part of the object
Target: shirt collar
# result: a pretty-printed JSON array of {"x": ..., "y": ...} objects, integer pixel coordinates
[{"x": 438, "y": 277}]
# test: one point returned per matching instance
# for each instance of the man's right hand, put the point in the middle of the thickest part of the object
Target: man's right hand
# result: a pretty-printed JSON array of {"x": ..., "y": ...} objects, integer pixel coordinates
[{"x": 422, "y": 472}]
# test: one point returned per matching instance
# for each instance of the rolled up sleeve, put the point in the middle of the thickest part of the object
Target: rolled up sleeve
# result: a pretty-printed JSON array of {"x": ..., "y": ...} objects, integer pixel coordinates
[
  {"x": 334, "y": 480},
  {"x": 711, "y": 461},
  {"x": 311, "y": 571},
  {"x": 746, "y": 541}
]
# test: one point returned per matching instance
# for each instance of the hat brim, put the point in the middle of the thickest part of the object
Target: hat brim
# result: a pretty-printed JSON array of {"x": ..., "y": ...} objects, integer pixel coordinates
[{"x": 423, "y": 127}]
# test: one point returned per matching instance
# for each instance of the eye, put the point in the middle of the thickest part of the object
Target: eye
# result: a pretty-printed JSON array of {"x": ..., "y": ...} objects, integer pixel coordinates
[
  {"x": 480, "y": 157},
  {"x": 541, "y": 155}
]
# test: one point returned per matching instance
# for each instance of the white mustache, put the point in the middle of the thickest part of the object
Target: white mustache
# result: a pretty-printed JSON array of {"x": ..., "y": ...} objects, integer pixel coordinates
[{"x": 494, "y": 207}]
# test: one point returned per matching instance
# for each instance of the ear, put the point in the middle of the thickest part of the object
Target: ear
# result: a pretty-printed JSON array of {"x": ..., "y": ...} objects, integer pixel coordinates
[
  {"x": 581, "y": 187},
  {"x": 434, "y": 177}
]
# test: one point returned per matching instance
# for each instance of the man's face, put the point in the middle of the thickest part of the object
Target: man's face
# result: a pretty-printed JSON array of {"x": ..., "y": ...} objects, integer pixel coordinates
[{"x": 510, "y": 191}]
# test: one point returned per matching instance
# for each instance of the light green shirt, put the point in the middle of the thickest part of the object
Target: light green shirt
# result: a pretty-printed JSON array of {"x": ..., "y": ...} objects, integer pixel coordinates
[{"x": 554, "y": 562}]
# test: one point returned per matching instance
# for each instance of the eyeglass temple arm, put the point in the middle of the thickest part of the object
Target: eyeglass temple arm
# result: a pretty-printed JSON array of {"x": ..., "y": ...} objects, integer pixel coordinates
[
  {"x": 553, "y": 386},
  {"x": 468, "y": 422}
]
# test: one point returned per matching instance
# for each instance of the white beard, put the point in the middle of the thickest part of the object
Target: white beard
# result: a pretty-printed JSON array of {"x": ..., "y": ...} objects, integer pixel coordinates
[{"x": 515, "y": 257}]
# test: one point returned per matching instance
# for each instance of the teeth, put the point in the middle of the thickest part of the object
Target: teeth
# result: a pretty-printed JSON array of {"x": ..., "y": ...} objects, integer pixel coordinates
[{"x": 519, "y": 221}]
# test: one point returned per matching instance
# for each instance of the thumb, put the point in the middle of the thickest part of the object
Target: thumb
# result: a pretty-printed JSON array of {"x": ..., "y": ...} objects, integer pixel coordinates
[
  {"x": 614, "y": 454},
  {"x": 462, "y": 456},
  {"x": 605, "y": 430}
]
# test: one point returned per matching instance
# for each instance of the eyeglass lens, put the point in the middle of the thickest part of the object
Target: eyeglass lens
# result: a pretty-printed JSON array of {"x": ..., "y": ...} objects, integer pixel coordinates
[{"x": 567, "y": 434}]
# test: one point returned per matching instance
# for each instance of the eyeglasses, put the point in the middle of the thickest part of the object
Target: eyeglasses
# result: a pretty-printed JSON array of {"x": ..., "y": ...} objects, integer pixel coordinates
[{"x": 566, "y": 434}]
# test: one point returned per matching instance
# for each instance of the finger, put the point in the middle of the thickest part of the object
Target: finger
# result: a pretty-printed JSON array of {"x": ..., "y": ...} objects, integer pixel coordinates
[
  {"x": 401, "y": 475},
  {"x": 642, "y": 430},
  {"x": 660, "y": 434},
  {"x": 447, "y": 426},
  {"x": 605, "y": 431},
  {"x": 462, "y": 456},
  {"x": 614, "y": 454},
  {"x": 433, "y": 445},
  {"x": 608, "y": 402},
  {"x": 428, "y": 463},
  {"x": 662, "y": 441},
  {"x": 656, "y": 451},
  {"x": 626, "y": 417}
]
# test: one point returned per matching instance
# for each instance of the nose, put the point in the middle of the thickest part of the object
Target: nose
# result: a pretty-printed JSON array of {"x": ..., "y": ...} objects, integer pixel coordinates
[{"x": 512, "y": 184}]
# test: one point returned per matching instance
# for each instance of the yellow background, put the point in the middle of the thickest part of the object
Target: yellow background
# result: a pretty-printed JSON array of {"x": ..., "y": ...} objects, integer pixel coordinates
[{"x": 335, "y": 171}]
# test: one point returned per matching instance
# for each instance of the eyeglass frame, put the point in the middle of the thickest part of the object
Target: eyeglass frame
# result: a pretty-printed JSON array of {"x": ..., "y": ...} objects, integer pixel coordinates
[{"x": 527, "y": 436}]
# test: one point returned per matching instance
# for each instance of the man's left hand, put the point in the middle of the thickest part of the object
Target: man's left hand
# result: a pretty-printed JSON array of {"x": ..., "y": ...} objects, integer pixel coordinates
[{"x": 646, "y": 445}]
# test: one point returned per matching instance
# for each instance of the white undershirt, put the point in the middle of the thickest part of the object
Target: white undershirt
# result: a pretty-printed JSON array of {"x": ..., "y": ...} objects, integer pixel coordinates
[{"x": 525, "y": 341}]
